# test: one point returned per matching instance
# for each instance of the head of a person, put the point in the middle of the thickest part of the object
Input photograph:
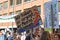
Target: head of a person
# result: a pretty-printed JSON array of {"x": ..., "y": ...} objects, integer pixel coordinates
[
  {"x": 0, "y": 33},
  {"x": 41, "y": 30},
  {"x": 9, "y": 33},
  {"x": 56, "y": 37},
  {"x": 45, "y": 36},
  {"x": 22, "y": 33},
  {"x": 27, "y": 31}
]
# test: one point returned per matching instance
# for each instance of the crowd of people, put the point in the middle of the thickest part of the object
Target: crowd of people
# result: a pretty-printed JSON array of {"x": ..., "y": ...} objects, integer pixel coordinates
[{"x": 37, "y": 34}]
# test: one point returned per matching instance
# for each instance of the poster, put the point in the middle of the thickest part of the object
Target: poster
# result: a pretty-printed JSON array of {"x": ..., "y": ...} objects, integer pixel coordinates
[
  {"x": 55, "y": 13},
  {"x": 51, "y": 14},
  {"x": 28, "y": 19},
  {"x": 47, "y": 13}
]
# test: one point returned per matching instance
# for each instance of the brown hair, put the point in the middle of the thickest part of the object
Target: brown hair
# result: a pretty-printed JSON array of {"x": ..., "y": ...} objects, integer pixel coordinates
[
  {"x": 45, "y": 36},
  {"x": 57, "y": 35}
]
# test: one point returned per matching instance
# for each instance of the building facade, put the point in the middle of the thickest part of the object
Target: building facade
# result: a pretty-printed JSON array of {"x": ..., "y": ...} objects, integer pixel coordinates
[
  {"x": 9, "y": 8},
  {"x": 59, "y": 11}
]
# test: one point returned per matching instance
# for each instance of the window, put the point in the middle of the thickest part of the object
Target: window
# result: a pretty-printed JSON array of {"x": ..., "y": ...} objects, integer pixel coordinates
[
  {"x": 5, "y": 14},
  {"x": 5, "y": 4},
  {"x": 0, "y": 6},
  {"x": 39, "y": 9},
  {"x": 11, "y": 2},
  {"x": 26, "y": 0},
  {"x": 18, "y": 12},
  {"x": 11, "y": 13},
  {"x": 18, "y": 1}
]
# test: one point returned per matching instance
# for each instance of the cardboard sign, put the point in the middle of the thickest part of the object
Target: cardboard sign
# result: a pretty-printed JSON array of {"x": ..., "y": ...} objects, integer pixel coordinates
[{"x": 28, "y": 19}]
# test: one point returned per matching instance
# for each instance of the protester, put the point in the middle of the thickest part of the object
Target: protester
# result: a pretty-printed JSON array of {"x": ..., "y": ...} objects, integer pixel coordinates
[
  {"x": 45, "y": 36},
  {"x": 37, "y": 33},
  {"x": 2, "y": 36},
  {"x": 9, "y": 36},
  {"x": 15, "y": 36},
  {"x": 23, "y": 36},
  {"x": 56, "y": 37},
  {"x": 18, "y": 36}
]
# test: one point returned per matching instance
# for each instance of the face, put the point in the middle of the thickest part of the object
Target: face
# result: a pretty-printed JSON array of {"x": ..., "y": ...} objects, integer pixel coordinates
[
  {"x": 56, "y": 37},
  {"x": 0, "y": 33}
]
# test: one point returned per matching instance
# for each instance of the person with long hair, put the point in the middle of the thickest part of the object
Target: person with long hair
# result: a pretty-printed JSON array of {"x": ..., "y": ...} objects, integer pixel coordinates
[
  {"x": 56, "y": 37},
  {"x": 45, "y": 36}
]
